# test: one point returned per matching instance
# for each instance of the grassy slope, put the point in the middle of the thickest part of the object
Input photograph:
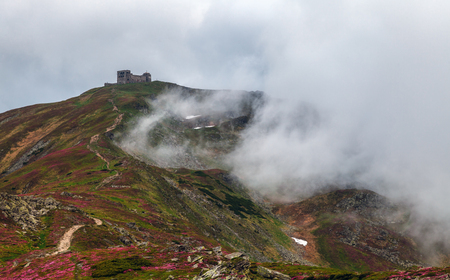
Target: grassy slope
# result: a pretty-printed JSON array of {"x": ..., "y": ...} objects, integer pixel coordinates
[
  {"x": 159, "y": 208},
  {"x": 166, "y": 207}
]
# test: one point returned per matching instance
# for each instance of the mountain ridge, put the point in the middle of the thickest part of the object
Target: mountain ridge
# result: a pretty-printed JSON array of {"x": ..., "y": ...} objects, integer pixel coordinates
[{"x": 71, "y": 155}]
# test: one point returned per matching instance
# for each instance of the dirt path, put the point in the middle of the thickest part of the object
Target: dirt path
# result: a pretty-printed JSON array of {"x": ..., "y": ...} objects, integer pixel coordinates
[
  {"x": 116, "y": 123},
  {"x": 108, "y": 180},
  {"x": 66, "y": 240},
  {"x": 64, "y": 243},
  {"x": 94, "y": 139},
  {"x": 98, "y": 222}
]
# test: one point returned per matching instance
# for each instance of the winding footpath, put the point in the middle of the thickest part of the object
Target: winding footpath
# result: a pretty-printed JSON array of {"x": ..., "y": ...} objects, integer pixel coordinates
[
  {"x": 94, "y": 139},
  {"x": 66, "y": 240},
  {"x": 64, "y": 243}
]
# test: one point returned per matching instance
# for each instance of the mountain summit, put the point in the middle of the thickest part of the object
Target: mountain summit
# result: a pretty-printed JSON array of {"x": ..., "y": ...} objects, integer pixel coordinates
[{"x": 132, "y": 181}]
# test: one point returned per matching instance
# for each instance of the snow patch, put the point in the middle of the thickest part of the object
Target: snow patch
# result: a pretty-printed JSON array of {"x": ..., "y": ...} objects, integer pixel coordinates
[
  {"x": 198, "y": 127},
  {"x": 210, "y": 126},
  {"x": 192, "y": 117},
  {"x": 300, "y": 241}
]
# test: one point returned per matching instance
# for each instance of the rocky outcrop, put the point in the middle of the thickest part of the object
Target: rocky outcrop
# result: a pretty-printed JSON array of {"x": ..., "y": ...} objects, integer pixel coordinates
[
  {"x": 237, "y": 268},
  {"x": 372, "y": 233},
  {"x": 372, "y": 206},
  {"x": 27, "y": 210}
]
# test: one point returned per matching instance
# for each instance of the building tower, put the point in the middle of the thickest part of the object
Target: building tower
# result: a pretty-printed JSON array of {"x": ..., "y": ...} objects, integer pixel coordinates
[
  {"x": 148, "y": 77},
  {"x": 123, "y": 76}
]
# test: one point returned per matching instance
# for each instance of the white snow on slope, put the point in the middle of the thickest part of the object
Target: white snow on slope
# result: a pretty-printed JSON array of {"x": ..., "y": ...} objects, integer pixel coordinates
[
  {"x": 300, "y": 241},
  {"x": 192, "y": 117}
]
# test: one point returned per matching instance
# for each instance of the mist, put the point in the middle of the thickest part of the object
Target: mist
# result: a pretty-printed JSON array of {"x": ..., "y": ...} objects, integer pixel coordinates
[
  {"x": 357, "y": 93},
  {"x": 376, "y": 75},
  {"x": 294, "y": 147},
  {"x": 190, "y": 129}
]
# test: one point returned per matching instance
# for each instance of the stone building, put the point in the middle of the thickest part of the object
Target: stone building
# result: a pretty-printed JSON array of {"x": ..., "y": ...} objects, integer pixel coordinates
[{"x": 126, "y": 77}]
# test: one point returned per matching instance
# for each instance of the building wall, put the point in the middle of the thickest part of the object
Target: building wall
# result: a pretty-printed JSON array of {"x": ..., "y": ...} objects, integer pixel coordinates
[
  {"x": 126, "y": 77},
  {"x": 137, "y": 79}
]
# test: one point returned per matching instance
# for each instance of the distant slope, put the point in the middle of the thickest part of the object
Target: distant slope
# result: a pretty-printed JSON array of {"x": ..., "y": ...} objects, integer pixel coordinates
[{"x": 353, "y": 229}]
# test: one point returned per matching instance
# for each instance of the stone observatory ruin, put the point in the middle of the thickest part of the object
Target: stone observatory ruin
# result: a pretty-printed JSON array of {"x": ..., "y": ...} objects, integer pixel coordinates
[{"x": 126, "y": 77}]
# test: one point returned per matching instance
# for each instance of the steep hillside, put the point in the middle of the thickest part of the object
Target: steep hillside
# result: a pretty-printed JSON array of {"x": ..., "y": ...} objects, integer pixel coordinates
[
  {"x": 128, "y": 181},
  {"x": 64, "y": 153}
]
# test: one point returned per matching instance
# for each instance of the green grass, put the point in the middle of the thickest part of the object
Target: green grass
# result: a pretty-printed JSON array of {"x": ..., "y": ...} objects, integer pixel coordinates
[
  {"x": 117, "y": 199},
  {"x": 116, "y": 266}
]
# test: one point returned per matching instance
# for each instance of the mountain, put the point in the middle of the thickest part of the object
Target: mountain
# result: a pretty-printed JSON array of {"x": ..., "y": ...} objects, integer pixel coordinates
[
  {"x": 131, "y": 181},
  {"x": 345, "y": 225}
]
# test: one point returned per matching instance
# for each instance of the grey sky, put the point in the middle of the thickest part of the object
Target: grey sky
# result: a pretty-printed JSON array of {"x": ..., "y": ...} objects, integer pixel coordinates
[
  {"x": 376, "y": 71},
  {"x": 325, "y": 51}
]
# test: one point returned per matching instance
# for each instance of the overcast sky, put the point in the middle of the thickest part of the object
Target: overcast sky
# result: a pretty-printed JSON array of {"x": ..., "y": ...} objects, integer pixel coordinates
[
  {"x": 331, "y": 52},
  {"x": 377, "y": 72}
]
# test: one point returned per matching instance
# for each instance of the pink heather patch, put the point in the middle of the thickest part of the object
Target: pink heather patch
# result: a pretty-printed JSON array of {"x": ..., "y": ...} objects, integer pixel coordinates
[
  {"x": 59, "y": 268},
  {"x": 167, "y": 266}
]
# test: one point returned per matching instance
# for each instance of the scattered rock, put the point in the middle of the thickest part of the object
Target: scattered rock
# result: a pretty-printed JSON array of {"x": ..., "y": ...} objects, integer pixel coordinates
[
  {"x": 26, "y": 210},
  {"x": 133, "y": 226},
  {"x": 200, "y": 248},
  {"x": 217, "y": 250},
  {"x": 271, "y": 274},
  {"x": 234, "y": 255},
  {"x": 238, "y": 268},
  {"x": 66, "y": 194},
  {"x": 125, "y": 240},
  {"x": 179, "y": 248},
  {"x": 198, "y": 258},
  {"x": 212, "y": 273},
  {"x": 142, "y": 244},
  {"x": 108, "y": 241}
]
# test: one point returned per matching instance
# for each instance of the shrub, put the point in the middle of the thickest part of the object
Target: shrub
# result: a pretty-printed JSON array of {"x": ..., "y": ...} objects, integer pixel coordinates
[
  {"x": 116, "y": 266},
  {"x": 200, "y": 173}
]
